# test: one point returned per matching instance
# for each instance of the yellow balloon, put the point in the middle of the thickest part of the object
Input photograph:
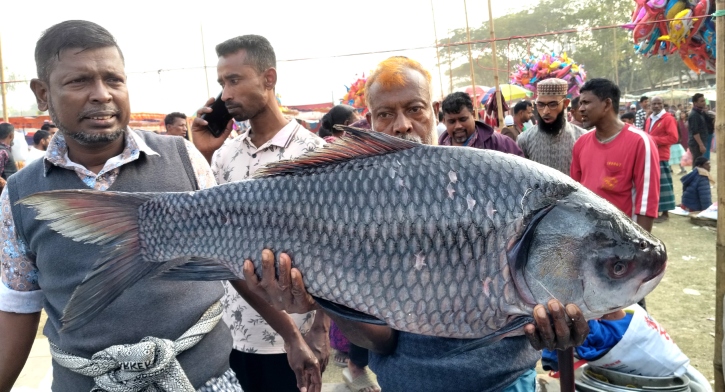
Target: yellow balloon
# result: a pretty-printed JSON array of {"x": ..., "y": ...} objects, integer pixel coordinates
[{"x": 676, "y": 9}]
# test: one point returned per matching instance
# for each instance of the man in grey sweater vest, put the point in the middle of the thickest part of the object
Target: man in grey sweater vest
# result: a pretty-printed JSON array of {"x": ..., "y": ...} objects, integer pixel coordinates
[{"x": 156, "y": 335}]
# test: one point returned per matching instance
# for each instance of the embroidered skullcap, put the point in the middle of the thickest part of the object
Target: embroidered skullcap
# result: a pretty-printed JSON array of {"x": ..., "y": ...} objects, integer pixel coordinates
[{"x": 552, "y": 86}]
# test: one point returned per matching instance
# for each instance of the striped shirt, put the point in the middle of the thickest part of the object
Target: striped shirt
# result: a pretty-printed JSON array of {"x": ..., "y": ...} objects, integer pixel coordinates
[
  {"x": 640, "y": 118},
  {"x": 624, "y": 171}
]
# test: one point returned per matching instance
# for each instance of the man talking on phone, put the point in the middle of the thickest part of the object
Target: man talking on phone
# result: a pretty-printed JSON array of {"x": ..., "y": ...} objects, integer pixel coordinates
[{"x": 246, "y": 71}]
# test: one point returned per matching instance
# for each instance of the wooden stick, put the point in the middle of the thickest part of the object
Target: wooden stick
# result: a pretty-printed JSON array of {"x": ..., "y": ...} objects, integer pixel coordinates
[
  {"x": 616, "y": 60},
  {"x": 720, "y": 247},
  {"x": 438, "y": 55},
  {"x": 495, "y": 67},
  {"x": 566, "y": 369},
  {"x": 470, "y": 63},
  {"x": 450, "y": 69},
  {"x": 203, "y": 55},
  {"x": 2, "y": 86}
]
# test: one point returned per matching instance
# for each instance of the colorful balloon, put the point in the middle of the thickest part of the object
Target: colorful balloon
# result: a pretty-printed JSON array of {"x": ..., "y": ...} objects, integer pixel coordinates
[
  {"x": 535, "y": 69},
  {"x": 664, "y": 27}
]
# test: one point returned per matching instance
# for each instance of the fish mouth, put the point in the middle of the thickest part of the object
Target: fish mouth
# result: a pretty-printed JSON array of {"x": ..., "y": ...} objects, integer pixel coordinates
[
  {"x": 648, "y": 285},
  {"x": 660, "y": 271}
]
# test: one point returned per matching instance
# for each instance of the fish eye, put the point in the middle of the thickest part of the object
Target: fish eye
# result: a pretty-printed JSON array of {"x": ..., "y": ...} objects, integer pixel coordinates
[
  {"x": 619, "y": 268},
  {"x": 643, "y": 245}
]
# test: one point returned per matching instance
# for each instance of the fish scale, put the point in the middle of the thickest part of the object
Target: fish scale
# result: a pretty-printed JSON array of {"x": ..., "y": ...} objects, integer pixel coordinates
[{"x": 451, "y": 242}]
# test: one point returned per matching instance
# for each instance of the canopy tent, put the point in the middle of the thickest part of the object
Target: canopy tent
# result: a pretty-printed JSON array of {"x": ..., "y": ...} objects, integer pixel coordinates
[{"x": 670, "y": 94}]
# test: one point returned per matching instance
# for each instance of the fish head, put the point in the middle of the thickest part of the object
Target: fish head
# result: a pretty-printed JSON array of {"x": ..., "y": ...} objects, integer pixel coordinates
[{"x": 586, "y": 252}]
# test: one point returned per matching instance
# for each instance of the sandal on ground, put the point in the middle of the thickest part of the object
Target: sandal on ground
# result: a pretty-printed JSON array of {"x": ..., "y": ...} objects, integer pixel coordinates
[
  {"x": 361, "y": 383},
  {"x": 339, "y": 358}
]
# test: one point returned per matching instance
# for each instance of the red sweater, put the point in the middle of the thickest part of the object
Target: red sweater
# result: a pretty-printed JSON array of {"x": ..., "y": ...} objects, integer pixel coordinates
[
  {"x": 624, "y": 171},
  {"x": 664, "y": 133}
]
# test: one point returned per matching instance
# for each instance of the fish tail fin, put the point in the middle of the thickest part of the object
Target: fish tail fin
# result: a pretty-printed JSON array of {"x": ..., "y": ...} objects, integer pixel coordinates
[{"x": 108, "y": 219}]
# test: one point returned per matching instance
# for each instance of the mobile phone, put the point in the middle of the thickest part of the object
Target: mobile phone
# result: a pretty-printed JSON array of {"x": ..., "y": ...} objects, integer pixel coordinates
[{"x": 218, "y": 118}]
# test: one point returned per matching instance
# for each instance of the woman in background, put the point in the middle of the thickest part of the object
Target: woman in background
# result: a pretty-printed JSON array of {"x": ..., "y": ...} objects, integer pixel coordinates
[
  {"x": 338, "y": 115},
  {"x": 678, "y": 150}
]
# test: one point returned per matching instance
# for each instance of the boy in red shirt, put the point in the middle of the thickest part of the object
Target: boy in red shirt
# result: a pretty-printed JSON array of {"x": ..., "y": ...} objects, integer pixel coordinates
[{"x": 616, "y": 161}]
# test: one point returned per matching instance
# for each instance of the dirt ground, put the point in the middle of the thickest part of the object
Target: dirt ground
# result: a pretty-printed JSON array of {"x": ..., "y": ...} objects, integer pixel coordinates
[{"x": 688, "y": 318}]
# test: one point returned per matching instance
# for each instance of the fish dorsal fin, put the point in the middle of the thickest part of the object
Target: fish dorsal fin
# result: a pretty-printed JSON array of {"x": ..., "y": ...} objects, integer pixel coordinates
[{"x": 356, "y": 143}]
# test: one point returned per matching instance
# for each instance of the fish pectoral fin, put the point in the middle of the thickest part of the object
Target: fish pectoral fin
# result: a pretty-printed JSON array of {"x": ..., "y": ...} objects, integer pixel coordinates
[
  {"x": 518, "y": 255},
  {"x": 509, "y": 329},
  {"x": 199, "y": 269},
  {"x": 347, "y": 313}
]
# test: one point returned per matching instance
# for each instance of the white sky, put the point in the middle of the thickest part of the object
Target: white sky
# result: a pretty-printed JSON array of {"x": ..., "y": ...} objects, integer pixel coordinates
[{"x": 162, "y": 35}]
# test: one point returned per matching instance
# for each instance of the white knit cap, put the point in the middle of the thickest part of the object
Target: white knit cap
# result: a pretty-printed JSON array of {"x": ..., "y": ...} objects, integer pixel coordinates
[{"x": 508, "y": 121}]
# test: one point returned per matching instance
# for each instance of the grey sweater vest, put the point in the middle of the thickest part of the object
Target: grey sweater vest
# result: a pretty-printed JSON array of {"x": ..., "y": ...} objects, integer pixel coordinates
[{"x": 151, "y": 307}]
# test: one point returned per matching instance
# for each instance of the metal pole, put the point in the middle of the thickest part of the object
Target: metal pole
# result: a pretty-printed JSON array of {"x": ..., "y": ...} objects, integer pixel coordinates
[
  {"x": 438, "y": 55},
  {"x": 470, "y": 63},
  {"x": 720, "y": 247},
  {"x": 2, "y": 84},
  {"x": 203, "y": 53},
  {"x": 495, "y": 65}
]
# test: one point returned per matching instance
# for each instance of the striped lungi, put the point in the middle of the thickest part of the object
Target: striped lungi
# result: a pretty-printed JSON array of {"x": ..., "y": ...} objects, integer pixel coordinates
[
  {"x": 667, "y": 193},
  {"x": 676, "y": 153}
]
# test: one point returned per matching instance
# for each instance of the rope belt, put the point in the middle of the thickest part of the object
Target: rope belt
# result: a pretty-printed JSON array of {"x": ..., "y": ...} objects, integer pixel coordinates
[{"x": 147, "y": 366}]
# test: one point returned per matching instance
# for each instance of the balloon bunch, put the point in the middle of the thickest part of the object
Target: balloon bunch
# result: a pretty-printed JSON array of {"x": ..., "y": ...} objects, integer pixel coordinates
[
  {"x": 666, "y": 27},
  {"x": 355, "y": 95},
  {"x": 533, "y": 70}
]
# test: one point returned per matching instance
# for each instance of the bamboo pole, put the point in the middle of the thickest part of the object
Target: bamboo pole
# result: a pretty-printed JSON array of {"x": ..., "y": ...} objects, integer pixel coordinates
[
  {"x": 2, "y": 85},
  {"x": 438, "y": 54},
  {"x": 616, "y": 59},
  {"x": 470, "y": 63},
  {"x": 495, "y": 65},
  {"x": 720, "y": 247},
  {"x": 450, "y": 69},
  {"x": 203, "y": 54}
]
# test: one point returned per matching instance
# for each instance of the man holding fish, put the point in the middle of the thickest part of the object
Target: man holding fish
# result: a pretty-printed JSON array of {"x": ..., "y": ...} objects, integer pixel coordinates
[{"x": 400, "y": 101}]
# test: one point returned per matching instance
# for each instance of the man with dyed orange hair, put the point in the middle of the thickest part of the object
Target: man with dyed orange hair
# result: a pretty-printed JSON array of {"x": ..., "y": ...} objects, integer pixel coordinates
[{"x": 400, "y": 99}]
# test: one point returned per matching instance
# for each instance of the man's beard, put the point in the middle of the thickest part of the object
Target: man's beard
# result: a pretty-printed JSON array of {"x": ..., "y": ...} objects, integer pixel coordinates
[
  {"x": 553, "y": 128},
  {"x": 84, "y": 138}
]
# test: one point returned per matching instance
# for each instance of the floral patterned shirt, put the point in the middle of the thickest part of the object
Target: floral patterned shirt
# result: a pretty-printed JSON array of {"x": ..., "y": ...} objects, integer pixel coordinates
[
  {"x": 237, "y": 160},
  {"x": 19, "y": 291}
]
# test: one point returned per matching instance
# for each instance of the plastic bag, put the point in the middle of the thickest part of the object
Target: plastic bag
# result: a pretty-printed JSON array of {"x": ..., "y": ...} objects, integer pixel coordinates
[{"x": 686, "y": 159}]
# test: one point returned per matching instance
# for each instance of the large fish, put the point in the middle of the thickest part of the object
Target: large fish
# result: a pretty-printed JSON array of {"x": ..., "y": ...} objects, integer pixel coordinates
[{"x": 453, "y": 242}]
